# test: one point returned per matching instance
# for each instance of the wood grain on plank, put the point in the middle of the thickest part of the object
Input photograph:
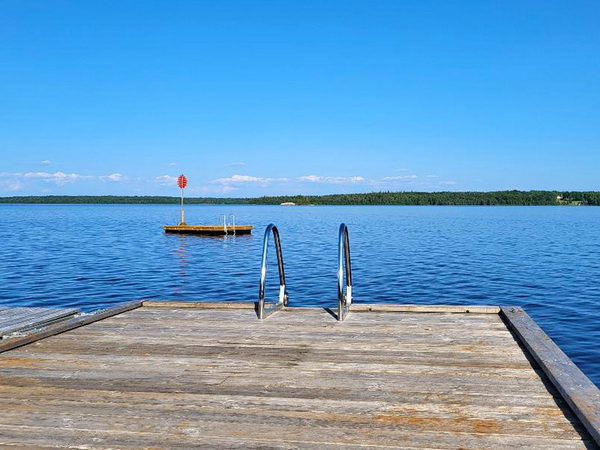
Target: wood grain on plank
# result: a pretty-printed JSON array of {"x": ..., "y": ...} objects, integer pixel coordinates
[{"x": 202, "y": 305}]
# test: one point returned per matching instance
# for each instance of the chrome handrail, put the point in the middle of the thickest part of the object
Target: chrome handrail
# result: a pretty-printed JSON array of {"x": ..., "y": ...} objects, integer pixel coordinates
[
  {"x": 344, "y": 299},
  {"x": 224, "y": 220},
  {"x": 282, "y": 301},
  {"x": 232, "y": 222}
]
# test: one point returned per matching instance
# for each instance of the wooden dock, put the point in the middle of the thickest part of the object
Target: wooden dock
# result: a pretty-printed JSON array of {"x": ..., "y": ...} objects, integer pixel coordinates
[{"x": 206, "y": 375}]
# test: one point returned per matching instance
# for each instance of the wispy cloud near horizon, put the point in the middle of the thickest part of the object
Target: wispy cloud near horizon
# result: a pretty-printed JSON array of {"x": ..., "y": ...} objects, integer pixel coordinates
[
  {"x": 116, "y": 177},
  {"x": 386, "y": 182},
  {"x": 246, "y": 185},
  {"x": 166, "y": 180},
  {"x": 11, "y": 185},
  {"x": 16, "y": 181},
  {"x": 400, "y": 178},
  {"x": 247, "y": 179},
  {"x": 60, "y": 178},
  {"x": 332, "y": 180}
]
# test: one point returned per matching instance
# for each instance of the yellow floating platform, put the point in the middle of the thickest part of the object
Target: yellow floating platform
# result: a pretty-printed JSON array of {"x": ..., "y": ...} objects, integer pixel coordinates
[{"x": 209, "y": 230}]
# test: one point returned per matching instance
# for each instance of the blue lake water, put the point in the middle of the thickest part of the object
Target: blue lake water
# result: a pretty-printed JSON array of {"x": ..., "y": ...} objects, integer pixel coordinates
[{"x": 546, "y": 259}]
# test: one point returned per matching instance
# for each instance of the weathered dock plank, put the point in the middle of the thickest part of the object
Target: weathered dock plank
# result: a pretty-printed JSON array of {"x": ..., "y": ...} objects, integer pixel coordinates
[
  {"x": 66, "y": 325},
  {"x": 579, "y": 392},
  {"x": 355, "y": 307},
  {"x": 197, "y": 377},
  {"x": 16, "y": 319}
]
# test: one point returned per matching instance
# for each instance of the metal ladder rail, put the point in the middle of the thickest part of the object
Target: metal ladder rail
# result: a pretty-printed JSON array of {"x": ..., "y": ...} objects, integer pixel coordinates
[
  {"x": 282, "y": 301},
  {"x": 232, "y": 222},
  {"x": 223, "y": 218},
  {"x": 344, "y": 298}
]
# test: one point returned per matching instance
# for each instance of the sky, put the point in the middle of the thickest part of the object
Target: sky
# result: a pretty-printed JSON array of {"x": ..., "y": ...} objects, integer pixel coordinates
[{"x": 251, "y": 98}]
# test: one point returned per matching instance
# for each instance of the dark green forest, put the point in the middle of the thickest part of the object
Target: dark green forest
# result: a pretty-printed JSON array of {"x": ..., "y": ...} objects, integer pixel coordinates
[{"x": 528, "y": 198}]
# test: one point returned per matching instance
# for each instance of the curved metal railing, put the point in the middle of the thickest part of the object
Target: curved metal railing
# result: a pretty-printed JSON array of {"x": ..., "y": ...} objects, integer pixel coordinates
[
  {"x": 266, "y": 309},
  {"x": 223, "y": 220},
  {"x": 232, "y": 222},
  {"x": 344, "y": 298}
]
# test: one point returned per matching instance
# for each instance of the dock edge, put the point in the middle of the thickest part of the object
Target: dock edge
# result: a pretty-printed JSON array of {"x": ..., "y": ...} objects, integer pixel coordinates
[
  {"x": 67, "y": 325},
  {"x": 578, "y": 391}
]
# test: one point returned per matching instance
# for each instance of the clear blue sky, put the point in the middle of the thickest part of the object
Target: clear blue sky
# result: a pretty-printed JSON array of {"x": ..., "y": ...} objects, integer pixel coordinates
[{"x": 284, "y": 97}]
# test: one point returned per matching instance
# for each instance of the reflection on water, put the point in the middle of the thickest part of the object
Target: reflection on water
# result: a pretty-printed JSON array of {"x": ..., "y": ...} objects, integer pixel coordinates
[
  {"x": 546, "y": 259},
  {"x": 183, "y": 263}
]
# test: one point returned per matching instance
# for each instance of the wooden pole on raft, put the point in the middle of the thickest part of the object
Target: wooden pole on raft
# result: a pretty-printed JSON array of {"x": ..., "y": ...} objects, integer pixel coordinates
[{"x": 182, "y": 183}]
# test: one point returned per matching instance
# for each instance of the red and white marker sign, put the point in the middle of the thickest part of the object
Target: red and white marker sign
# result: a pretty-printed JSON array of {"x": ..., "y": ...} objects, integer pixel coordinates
[{"x": 182, "y": 181}]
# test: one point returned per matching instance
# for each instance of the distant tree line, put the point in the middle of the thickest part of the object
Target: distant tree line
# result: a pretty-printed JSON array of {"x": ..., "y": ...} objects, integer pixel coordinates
[{"x": 372, "y": 198}]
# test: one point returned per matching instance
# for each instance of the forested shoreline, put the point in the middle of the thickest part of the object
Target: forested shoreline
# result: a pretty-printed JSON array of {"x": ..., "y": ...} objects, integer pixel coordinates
[{"x": 525, "y": 198}]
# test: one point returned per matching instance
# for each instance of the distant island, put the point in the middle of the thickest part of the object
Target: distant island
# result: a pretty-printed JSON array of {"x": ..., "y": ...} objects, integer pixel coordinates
[{"x": 525, "y": 198}]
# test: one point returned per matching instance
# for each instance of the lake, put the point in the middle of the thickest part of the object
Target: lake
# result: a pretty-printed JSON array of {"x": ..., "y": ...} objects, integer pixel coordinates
[{"x": 545, "y": 259}]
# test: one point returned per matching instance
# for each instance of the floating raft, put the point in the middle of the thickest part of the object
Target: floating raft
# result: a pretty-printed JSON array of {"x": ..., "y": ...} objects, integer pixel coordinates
[
  {"x": 210, "y": 375},
  {"x": 209, "y": 230}
]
